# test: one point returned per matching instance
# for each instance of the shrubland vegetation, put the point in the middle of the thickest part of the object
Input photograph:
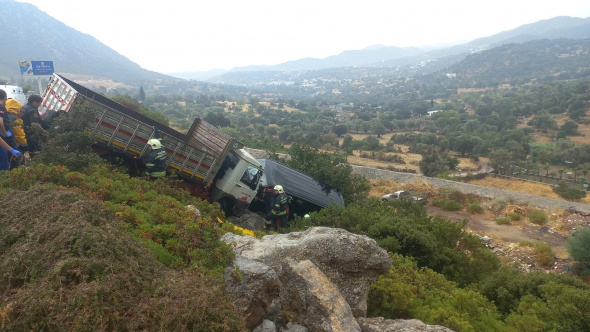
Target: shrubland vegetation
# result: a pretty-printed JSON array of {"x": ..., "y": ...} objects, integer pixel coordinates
[{"x": 92, "y": 248}]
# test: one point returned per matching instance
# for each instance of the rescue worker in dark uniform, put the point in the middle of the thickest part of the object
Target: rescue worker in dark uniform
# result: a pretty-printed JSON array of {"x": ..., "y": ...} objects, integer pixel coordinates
[
  {"x": 155, "y": 162},
  {"x": 5, "y": 132},
  {"x": 280, "y": 209},
  {"x": 268, "y": 197},
  {"x": 32, "y": 119}
]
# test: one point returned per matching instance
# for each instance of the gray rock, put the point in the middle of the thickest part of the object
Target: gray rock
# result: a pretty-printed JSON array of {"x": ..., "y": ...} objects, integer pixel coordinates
[
  {"x": 249, "y": 220},
  {"x": 352, "y": 262},
  {"x": 294, "y": 328},
  {"x": 309, "y": 298},
  {"x": 253, "y": 287},
  {"x": 266, "y": 326},
  {"x": 379, "y": 324}
]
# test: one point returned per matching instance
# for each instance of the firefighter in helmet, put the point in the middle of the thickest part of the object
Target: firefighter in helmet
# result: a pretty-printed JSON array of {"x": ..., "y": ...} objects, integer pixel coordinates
[
  {"x": 280, "y": 209},
  {"x": 155, "y": 162}
]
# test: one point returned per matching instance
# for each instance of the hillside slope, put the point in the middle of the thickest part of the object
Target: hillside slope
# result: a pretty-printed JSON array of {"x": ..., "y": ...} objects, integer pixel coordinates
[
  {"x": 31, "y": 34},
  {"x": 72, "y": 266}
]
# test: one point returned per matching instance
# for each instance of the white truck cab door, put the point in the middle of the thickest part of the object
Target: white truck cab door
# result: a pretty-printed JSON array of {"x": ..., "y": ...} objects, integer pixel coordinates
[{"x": 246, "y": 183}]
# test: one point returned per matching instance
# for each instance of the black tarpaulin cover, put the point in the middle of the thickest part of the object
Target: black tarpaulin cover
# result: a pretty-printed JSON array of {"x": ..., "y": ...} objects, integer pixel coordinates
[{"x": 298, "y": 184}]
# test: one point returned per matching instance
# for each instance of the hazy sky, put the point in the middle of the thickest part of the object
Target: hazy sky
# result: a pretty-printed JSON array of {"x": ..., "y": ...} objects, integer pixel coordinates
[{"x": 194, "y": 35}]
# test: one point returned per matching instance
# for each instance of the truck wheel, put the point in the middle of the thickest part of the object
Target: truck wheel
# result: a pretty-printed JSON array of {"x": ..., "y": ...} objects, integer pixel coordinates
[{"x": 226, "y": 205}]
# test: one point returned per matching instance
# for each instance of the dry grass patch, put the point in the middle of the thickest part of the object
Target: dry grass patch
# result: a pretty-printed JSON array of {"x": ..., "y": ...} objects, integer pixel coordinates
[
  {"x": 420, "y": 187},
  {"x": 537, "y": 189},
  {"x": 411, "y": 160}
]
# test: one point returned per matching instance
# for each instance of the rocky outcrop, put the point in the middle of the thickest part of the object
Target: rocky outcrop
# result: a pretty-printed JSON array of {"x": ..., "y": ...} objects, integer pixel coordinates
[
  {"x": 310, "y": 299},
  {"x": 398, "y": 325},
  {"x": 254, "y": 286},
  {"x": 350, "y": 261},
  {"x": 317, "y": 280},
  {"x": 321, "y": 258}
]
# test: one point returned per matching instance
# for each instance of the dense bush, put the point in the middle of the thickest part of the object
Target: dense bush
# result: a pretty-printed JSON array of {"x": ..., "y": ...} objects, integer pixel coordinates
[
  {"x": 579, "y": 248},
  {"x": 447, "y": 204},
  {"x": 474, "y": 208},
  {"x": 407, "y": 291},
  {"x": 537, "y": 217},
  {"x": 566, "y": 192},
  {"x": 539, "y": 301}
]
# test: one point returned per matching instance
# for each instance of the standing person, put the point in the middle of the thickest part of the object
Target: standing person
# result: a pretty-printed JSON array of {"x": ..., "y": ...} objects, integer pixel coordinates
[
  {"x": 13, "y": 107},
  {"x": 32, "y": 119},
  {"x": 268, "y": 196},
  {"x": 5, "y": 132},
  {"x": 4, "y": 146},
  {"x": 280, "y": 209},
  {"x": 155, "y": 162}
]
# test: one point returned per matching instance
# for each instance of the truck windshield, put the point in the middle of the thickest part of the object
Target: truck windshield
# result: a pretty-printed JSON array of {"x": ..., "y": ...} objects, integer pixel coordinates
[{"x": 251, "y": 177}]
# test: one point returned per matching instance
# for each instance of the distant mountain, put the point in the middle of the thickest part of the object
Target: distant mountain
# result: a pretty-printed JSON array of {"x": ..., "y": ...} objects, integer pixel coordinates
[
  {"x": 390, "y": 56},
  {"x": 521, "y": 63},
  {"x": 345, "y": 59},
  {"x": 27, "y": 33}
]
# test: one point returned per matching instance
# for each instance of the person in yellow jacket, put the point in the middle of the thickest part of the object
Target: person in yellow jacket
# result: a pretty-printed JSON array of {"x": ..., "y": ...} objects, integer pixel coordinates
[{"x": 13, "y": 107}]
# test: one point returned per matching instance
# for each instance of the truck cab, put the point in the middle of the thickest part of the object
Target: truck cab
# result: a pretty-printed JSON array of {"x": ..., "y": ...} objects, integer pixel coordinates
[{"x": 236, "y": 182}]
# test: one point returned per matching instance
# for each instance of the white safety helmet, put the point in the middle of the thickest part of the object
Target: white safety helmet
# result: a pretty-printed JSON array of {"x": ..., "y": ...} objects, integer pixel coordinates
[
  {"x": 279, "y": 188},
  {"x": 155, "y": 143}
]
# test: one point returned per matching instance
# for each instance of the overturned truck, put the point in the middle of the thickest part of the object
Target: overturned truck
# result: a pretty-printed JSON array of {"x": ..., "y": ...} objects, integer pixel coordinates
[{"x": 213, "y": 164}]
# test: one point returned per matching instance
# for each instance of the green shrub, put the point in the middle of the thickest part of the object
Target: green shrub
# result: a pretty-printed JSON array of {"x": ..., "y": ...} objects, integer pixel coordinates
[
  {"x": 566, "y": 192},
  {"x": 526, "y": 243},
  {"x": 447, "y": 204},
  {"x": 474, "y": 208},
  {"x": 515, "y": 216},
  {"x": 407, "y": 291},
  {"x": 503, "y": 221},
  {"x": 578, "y": 246},
  {"x": 543, "y": 254},
  {"x": 537, "y": 217}
]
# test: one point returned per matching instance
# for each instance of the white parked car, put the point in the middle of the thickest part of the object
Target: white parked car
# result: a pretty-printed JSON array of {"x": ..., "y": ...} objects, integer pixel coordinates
[{"x": 402, "y": 194}]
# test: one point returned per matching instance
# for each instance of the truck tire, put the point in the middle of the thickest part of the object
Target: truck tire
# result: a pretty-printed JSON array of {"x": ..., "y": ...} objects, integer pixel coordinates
[{"x": 226, "y": 205}]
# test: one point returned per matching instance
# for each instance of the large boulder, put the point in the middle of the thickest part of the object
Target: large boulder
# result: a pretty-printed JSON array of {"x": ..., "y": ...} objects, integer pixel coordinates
[
  {"x": 310, "y": 299},
  {"x": 379, "y": 324},
  {"x": 254, "y": 286},
  {"x": 350, "y": 261}
]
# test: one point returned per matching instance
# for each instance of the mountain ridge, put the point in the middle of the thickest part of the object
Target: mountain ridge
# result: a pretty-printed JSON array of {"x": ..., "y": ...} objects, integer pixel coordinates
[{"x": 76, "y": 53}]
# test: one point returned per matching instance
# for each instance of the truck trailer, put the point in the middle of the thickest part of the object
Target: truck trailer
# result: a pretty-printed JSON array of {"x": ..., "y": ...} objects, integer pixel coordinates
[{"x": 204, "y": 157}]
